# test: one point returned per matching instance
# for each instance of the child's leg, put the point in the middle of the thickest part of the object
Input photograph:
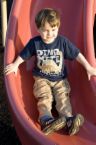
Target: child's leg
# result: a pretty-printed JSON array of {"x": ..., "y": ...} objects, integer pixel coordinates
[
  {"x": 63, "y": 106},
  {"x": 42, "y": 92},
  {"x": 61, "y": 92}
]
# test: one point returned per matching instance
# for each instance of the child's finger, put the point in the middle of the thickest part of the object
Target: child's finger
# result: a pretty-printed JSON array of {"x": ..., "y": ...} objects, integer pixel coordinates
[{"x": 89, "y": 76}]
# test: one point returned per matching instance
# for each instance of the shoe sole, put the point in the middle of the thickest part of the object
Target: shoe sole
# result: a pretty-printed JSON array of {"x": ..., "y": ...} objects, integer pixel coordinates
[
  {"x": 77, "y": 123},
  {"x": 55, "y": 126}
]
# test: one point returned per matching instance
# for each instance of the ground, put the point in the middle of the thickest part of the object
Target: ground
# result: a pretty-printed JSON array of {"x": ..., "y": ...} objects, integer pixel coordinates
[{"x": 8, "y": 134}]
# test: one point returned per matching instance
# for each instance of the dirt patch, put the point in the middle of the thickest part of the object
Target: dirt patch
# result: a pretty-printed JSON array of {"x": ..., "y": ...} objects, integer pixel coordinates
[{"x": 8, "y": 134}]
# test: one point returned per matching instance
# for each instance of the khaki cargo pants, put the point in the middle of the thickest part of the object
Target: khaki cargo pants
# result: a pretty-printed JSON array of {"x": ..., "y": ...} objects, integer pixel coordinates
[{"x": 46, "y": 91}]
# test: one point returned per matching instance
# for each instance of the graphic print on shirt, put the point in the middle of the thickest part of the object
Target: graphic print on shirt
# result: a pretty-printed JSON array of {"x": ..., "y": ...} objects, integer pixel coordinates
[{"x": 50, "y": 61}]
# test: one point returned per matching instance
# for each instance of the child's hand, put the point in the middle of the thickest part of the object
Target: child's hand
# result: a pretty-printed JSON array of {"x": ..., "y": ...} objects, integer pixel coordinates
[
  {"x": 91, "y": 72},
  {"x": 11, "y": 68}
]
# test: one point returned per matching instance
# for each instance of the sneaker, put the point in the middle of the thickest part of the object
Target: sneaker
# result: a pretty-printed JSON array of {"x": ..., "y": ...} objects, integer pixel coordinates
[
  {"x": 52, "y": 125},
  {"x": 74, "y": 123}
]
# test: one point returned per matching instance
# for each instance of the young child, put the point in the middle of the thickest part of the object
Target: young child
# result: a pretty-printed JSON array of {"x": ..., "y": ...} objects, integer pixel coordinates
[{"x": 50, "y": 72}]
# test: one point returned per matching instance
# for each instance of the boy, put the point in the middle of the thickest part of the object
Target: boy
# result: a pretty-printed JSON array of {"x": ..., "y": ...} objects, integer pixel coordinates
[{"x": 50, "y": 73}]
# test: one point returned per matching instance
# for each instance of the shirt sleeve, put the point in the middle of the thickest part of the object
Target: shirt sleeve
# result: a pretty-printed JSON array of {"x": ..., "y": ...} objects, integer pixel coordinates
[
  {"x": 28, "y": 51},
  {"x": 70, "y": 50}
]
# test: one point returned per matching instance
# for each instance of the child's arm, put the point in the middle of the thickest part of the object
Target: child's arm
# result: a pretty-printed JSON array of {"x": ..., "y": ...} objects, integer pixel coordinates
[
  {"x": 13, "y": 67},
  {"x": 90, "y": 70}
]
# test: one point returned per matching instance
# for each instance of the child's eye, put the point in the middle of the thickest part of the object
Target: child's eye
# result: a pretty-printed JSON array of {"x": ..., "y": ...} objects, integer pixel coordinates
[{"x": 44, "y": 30}]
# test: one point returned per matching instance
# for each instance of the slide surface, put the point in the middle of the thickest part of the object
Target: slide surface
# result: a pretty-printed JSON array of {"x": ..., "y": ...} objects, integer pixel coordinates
[{"x": 77, "y": 22}]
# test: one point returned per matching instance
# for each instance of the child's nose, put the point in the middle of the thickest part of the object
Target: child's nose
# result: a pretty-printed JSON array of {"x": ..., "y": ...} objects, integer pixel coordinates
[{"x": 49, "y": 33}]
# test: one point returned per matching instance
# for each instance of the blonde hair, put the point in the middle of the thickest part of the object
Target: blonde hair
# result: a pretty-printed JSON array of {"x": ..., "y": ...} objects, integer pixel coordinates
[{"x": 47, "y": 15}]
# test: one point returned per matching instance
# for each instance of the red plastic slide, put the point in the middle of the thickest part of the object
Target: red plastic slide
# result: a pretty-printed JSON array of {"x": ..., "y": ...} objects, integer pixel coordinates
[{"x": 78, "y": 19}]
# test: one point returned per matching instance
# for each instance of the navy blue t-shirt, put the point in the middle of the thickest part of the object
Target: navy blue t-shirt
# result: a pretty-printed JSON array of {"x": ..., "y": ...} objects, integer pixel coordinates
[{"x": 50, "y": 57}]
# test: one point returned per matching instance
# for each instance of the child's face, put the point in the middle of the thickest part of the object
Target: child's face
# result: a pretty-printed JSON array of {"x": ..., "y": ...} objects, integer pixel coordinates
[{"x": 48, "y": 33}]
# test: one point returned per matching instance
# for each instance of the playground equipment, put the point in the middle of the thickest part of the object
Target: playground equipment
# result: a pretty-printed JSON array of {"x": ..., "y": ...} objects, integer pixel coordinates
[
  {"x": 4, "y": 20},
  {"x": 78, "y": 24}
]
